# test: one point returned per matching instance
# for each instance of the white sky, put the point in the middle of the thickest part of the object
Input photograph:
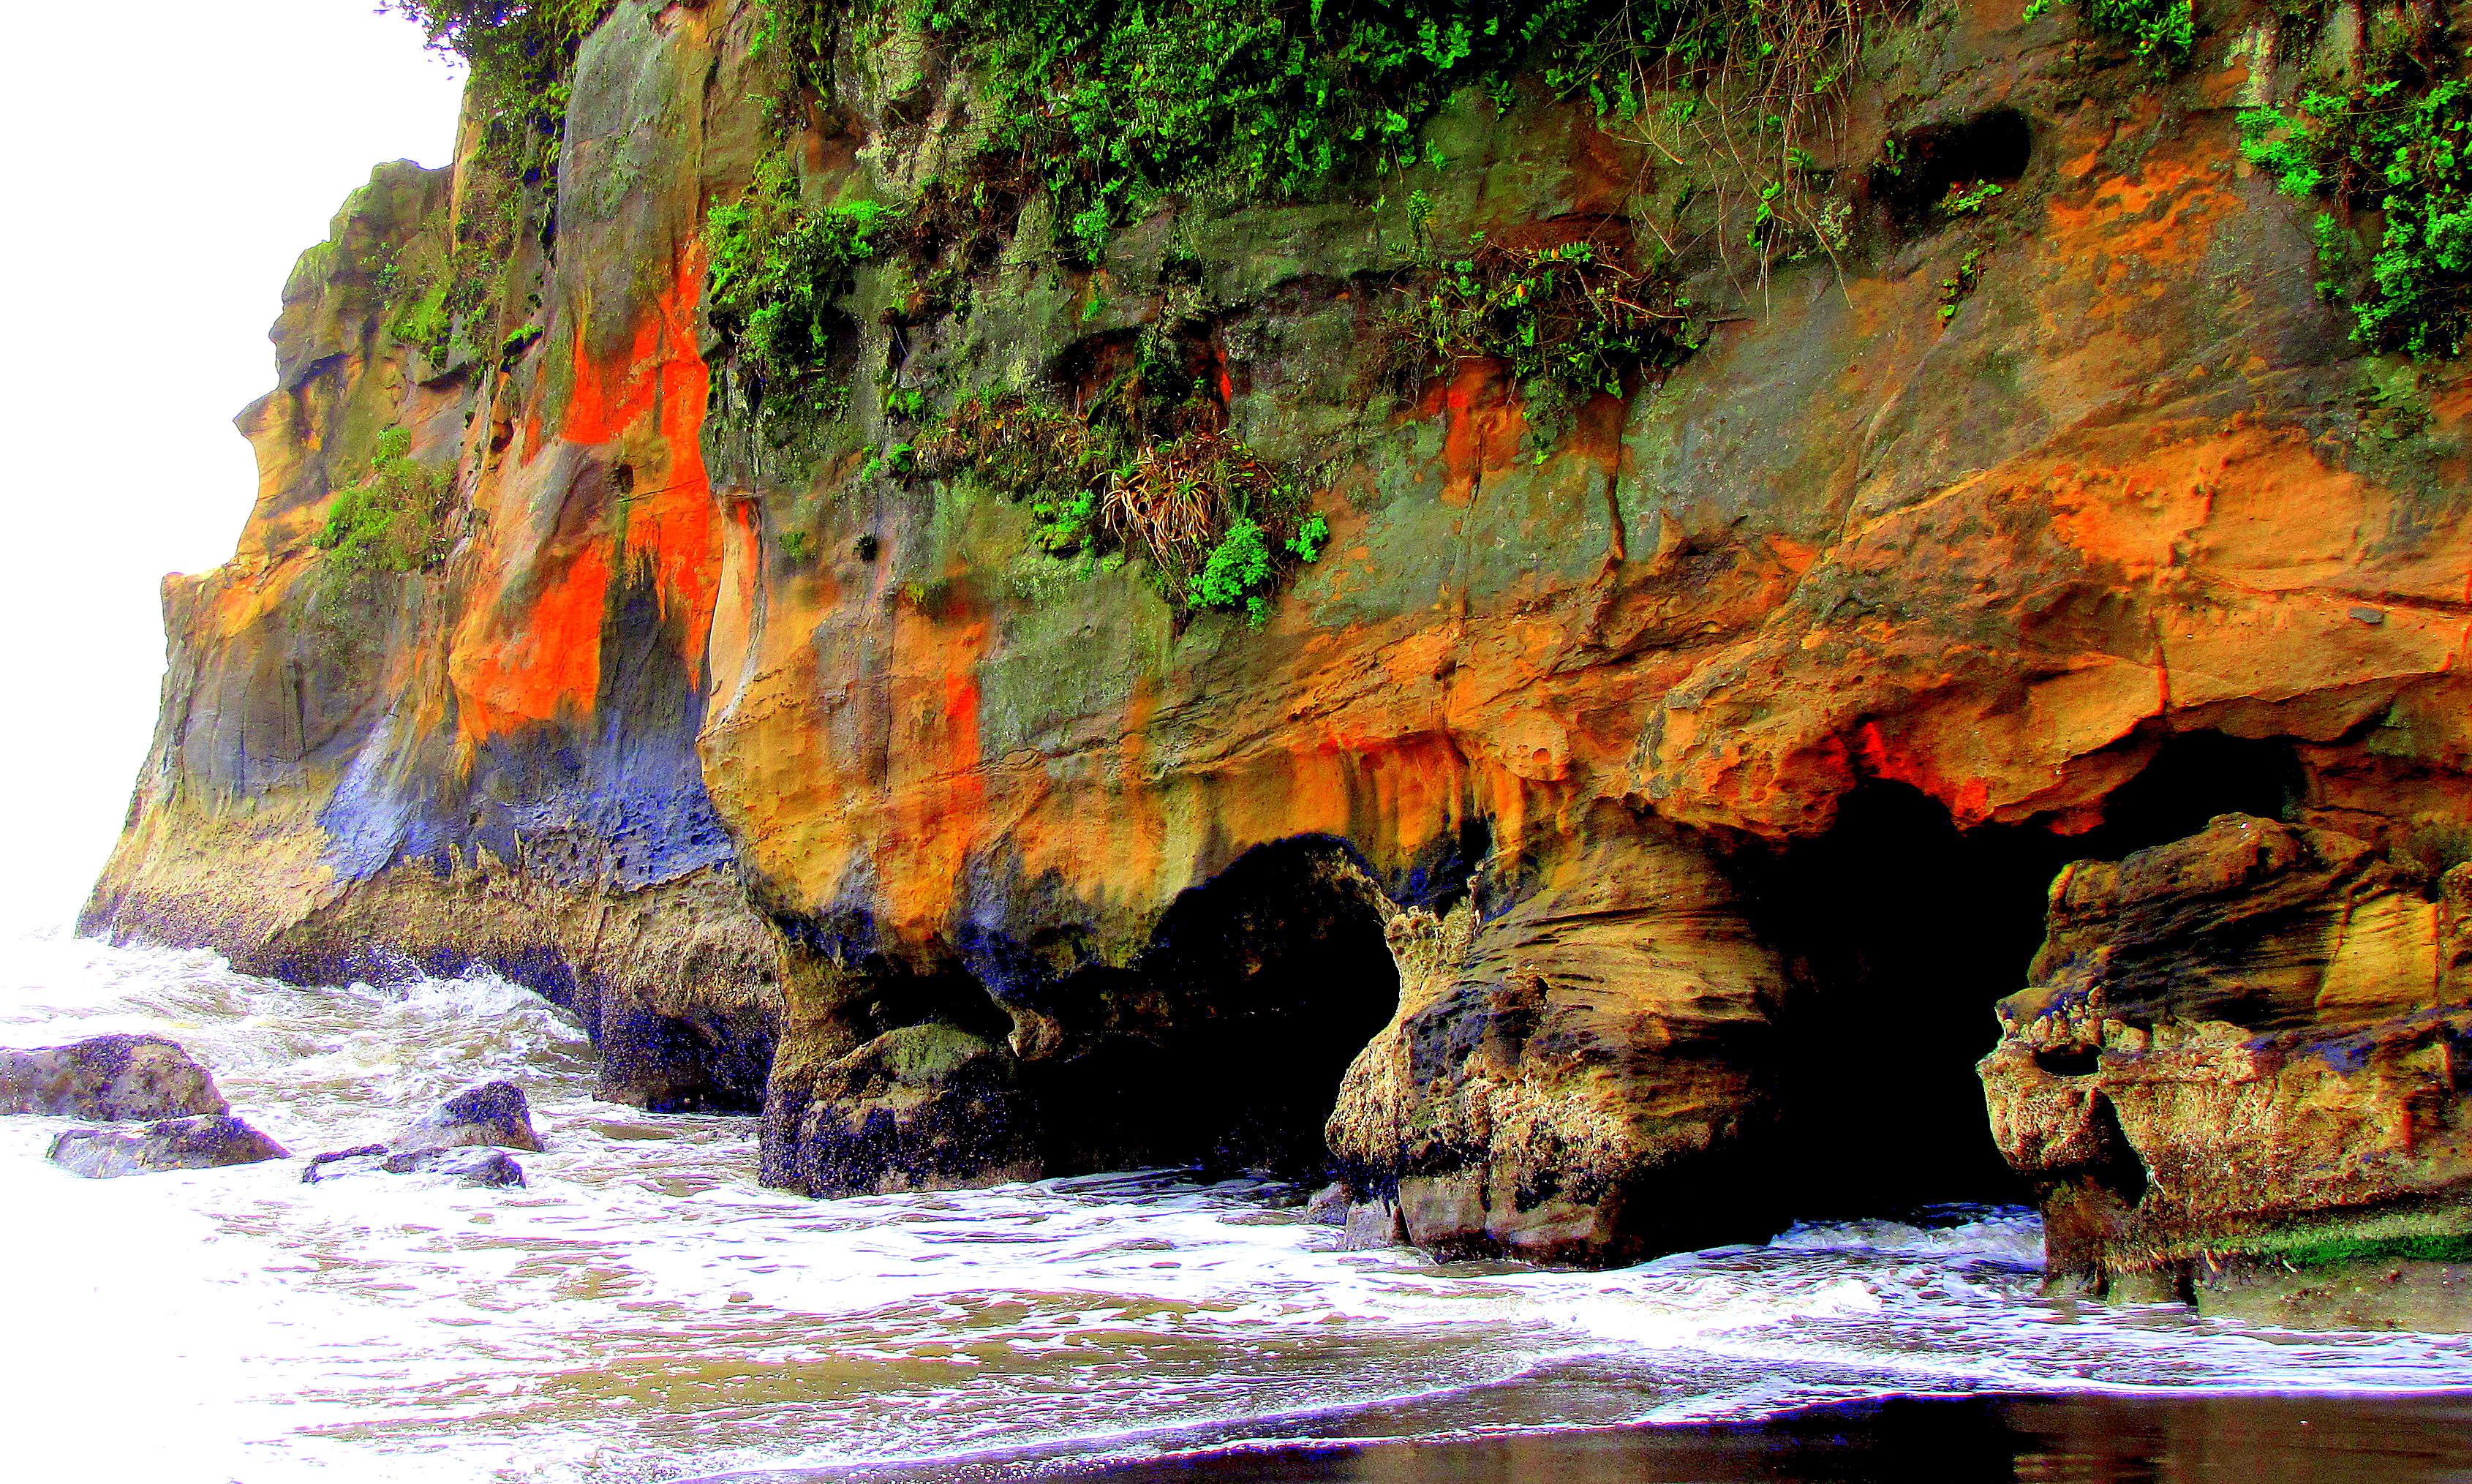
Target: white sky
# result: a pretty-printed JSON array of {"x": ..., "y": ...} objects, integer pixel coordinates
[{"x": 169, "y": 159}]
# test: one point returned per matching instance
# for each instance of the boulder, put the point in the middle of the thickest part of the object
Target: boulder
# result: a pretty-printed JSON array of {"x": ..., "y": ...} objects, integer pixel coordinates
[
  {"x": 201, "y": 1143},
  {"x": 492, "y": 1114},
  {"x": 109, "y": 1078},
  {"x": 470, "y": 1165}
]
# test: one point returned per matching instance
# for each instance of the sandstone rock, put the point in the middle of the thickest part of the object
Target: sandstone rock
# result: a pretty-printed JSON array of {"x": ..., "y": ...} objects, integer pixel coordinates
[
  {"x": 1509, "y": 1108},
  {"x": 172, "y": 1145},
  {"x": 491, "y": 1114},
  {"x": 2241, "y": 1049},
  {"x": 108, "y": 1077}
]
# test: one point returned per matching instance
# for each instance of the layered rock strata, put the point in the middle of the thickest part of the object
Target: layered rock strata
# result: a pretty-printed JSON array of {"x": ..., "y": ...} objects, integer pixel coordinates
[{"x": 813, "y": 783}]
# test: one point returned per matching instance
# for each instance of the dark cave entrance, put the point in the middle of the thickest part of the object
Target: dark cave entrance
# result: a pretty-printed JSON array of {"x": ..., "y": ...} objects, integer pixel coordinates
[
  {"x": 1264, "y": 982},
  {"x": 1906, "y": 931}
]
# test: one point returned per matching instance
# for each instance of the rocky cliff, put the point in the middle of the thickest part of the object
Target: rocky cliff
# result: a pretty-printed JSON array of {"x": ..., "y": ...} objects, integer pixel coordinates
[{"x": 1551, "y": 660}]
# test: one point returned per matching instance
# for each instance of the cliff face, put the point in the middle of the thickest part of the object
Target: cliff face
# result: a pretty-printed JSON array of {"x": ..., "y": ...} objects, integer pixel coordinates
[{"x": 1616, "y": 837}]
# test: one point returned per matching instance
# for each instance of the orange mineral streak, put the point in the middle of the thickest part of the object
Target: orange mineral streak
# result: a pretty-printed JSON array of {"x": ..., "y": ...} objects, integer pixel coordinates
[
  {"x": 662, "y": 382},
  {"x": 543, "y": 665},
  {"x": 2165, "y": 217},
  {"x": 1483, "y": 431},
  {"x": 523, "y": 660},
  {"x": 936, "y": 816}
]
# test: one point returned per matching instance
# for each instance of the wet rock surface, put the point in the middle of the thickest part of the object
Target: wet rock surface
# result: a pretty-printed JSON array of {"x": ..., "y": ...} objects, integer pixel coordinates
[
  {"x": 469, "y": 1165},
  {"x": 108, "y": 1077},
  {"x": 493, "y": 1115},
  {"x": 172, "y": 1145}
]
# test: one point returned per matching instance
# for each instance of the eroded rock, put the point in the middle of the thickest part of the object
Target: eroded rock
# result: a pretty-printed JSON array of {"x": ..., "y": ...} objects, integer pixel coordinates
[
  {"x": 1515, "y": 1105},
  {"x": 172, "y": 1145},
  {"x": 111, "y": 1078},
  {"x": 2244, "y": 1050}
]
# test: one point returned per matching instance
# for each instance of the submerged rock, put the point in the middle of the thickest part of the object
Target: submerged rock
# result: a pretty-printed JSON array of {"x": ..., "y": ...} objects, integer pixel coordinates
[
  {"x": 472, "y": 1167},
  {"x": 201, "y": 1143},
  {"x": 111, "y": 1078},
  {"x": 492, "y": 1114}
]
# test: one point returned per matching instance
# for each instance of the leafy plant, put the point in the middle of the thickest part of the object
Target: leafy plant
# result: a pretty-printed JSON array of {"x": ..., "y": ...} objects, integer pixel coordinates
[
  {"x": 1967, "y": 197},
  {"x": 1954, "y": 288},
  {"x": 521, "y": 55},
  {"x": 2159, "y": 33},
  {"x": 775, "y": 269},
  {"x": 2398, "y": 143},
  {"x": 1115, "y": 106},
  {"x": 392, "y": 518},
  {"x": 1136, "y": 473},
  {"x": 1236, "y": 574},
  {"x": 1573, "y": 314},
  {"x": 1307, "y": 543}
]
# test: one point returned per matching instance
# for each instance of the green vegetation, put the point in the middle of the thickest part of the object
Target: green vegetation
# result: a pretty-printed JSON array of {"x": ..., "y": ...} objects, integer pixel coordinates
[
  {"x": 1118, "y": 104},
  {"x": 1572, "y": 316},
  {"x": 1143, "y": 470},
  {"x": 1112, "y": 110},
  {"x": 1954, "y": 288},
  {"x": 521, "y": 55},
  {"x": 2158, "y": 33},
  {"x": 2397, "y": 142},
  {"x": 2339, "y": 1252},
  {"x": 391, "y": 519},
  {"x": 1116, "y": 107},
  {"x": 776, "y": 268}
]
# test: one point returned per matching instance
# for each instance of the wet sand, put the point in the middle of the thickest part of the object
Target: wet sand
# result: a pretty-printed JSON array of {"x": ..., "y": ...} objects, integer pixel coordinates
[
  {"x": 1974, "y": 1439},
  {"x": 2079, "y": 1440}
]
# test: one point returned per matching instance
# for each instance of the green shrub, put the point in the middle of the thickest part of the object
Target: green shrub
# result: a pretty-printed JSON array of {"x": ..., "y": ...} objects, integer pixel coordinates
[
  {"x": 2158, "y": 33},
  {"x": 2398, "y": 143},
  {"x": 522, "y": 57},
  {"x": 1217, "y": 525},
  {"x": 775, "y": 269},
  {"x": 1120, "y": 103},
  {"x": 1572, "y": 314},
  {"x": 1237, "y": 574},
  {"x": 392, "y": 518}
]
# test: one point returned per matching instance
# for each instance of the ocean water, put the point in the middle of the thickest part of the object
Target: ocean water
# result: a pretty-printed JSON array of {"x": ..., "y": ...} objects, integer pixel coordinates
[{"x": 645, "y": 1312}]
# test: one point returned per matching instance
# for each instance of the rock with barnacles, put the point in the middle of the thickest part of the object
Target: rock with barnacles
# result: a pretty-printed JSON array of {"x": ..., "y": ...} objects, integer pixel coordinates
[
  {"x": 199, "y": 1143},
  {"x": 493, "y": 1115},
  {"x": 109, "y": 1078}
]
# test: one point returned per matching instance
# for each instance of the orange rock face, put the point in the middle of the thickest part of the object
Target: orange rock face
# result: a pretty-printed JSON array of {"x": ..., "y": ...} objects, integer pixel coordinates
[{"x": 1507, "y": 868}]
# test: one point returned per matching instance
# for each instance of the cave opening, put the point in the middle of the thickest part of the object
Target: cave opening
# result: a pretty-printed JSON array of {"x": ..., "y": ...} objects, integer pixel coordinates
[
  {"x": 1264, "y": 983},
  {"x": 1905, "y": 931},
  {"x": 1925, "y": 167}
]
